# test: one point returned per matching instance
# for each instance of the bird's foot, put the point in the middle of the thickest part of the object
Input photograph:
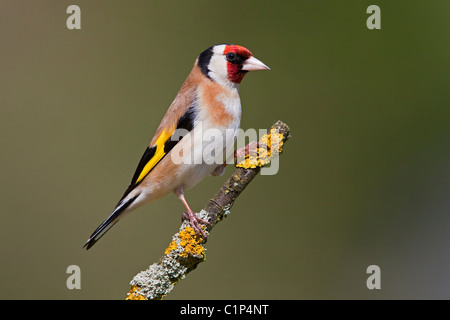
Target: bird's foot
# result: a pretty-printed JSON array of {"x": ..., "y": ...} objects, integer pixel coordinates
[
  {"x": 249, "y": 150},
  {"x": 196, "y": 223}
]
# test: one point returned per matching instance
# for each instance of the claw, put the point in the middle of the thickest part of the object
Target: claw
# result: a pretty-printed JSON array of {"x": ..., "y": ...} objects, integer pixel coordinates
[
  {"x": 244, "y": 152},
  {"x": 196, "y": 223}
]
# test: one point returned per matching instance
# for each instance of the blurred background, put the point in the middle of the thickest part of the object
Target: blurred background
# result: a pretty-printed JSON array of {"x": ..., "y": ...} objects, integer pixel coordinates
[{"x": 364, "y": 180}]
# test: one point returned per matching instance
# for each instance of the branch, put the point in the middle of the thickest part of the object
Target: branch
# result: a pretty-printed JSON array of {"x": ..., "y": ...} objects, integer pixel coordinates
[{"x": 186, "y": 250}]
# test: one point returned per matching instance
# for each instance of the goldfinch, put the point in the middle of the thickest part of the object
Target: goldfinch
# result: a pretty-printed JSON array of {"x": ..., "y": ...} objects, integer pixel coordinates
[{"x": 208, "y": 100}]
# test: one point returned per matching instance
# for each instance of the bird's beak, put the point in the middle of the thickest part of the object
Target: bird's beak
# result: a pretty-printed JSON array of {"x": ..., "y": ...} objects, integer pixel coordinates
[{"x": 254, "y": 64}]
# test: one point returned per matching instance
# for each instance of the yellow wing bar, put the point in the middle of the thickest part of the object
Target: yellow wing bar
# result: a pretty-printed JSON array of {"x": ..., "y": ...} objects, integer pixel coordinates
[{"x": 159, "y": 153}]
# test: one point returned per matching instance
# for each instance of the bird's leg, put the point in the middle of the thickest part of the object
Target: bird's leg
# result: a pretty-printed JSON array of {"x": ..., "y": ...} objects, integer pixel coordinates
[
  {"x": 219, "y": 170},
  {"x": 191, "y": 216}
]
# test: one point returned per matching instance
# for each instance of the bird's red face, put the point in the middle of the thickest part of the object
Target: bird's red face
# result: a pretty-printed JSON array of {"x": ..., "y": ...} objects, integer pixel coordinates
[
  {"x": 228, "y": 63},
  {"x": 236, "y": 55}
]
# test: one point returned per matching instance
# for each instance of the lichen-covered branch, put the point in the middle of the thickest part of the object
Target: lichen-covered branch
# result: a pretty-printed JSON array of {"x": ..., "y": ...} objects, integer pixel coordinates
[{"x": 187, "y": 249}]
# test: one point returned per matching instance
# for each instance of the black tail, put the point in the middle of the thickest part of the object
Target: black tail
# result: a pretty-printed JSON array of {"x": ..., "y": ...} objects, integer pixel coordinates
[{"x": 108, "y": 223}]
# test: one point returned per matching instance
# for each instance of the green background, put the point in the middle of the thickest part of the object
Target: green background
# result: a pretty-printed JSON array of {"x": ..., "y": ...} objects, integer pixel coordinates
[{"x": 364, "y": 180}]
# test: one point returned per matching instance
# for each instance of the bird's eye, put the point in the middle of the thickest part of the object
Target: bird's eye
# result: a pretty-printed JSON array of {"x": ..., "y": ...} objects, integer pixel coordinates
[{"x": 231, "y": 56}]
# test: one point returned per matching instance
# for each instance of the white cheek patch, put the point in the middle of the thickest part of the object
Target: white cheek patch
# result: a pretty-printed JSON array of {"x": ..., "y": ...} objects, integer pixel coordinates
[
  {"x": 218, "y": 66},
  {"x": 218, "y": 69}
]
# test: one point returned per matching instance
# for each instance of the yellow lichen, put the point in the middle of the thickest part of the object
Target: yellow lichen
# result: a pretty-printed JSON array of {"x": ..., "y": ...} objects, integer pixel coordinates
[
  {"x": 134, "y": 294},
  {"x": 269, "y": 146},
  {"x": 172, "y": 246},
  {"x": 189, "y": 241}
]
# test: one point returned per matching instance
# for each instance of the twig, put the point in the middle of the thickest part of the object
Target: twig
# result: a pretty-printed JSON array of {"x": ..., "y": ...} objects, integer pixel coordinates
[{"x": 187, "y": 249}]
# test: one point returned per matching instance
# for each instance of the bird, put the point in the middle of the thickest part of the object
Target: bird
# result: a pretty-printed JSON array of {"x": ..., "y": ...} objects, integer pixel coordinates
[{"x": 207, "y": 100}]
